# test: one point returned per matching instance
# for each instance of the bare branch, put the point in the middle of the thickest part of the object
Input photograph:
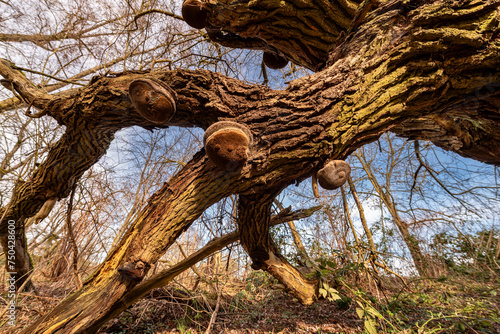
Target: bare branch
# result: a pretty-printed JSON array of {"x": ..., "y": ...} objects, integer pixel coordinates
[{"x": 23, "y": 86}]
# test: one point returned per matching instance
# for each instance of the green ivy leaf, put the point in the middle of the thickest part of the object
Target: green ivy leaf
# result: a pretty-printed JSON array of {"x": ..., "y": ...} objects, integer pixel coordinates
[
  {"x": 331, "y": 264},
  {"x": 374, "y": 312},
  {"x": 485, "y": 323},
  {"x": 360, "y": 312},
  {"x": 335, "y": 296},
  {"x": 370, "y": 326}
]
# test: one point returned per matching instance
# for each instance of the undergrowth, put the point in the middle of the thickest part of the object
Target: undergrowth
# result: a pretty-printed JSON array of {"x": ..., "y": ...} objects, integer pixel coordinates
[
  {"x": 449, "y": 304},
  {"x": 352, "y": 300}
]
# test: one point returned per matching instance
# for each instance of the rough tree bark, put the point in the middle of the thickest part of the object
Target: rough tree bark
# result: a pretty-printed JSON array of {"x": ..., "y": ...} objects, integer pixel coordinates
[
  {"x": 254, "y": 217},
  {"x": 423, "y": 69}
]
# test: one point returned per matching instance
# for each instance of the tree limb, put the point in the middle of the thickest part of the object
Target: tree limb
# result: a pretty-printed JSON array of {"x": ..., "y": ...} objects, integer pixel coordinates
[
  {"x": 23, "y": 86},
  {"x": 254, "y": 212}
]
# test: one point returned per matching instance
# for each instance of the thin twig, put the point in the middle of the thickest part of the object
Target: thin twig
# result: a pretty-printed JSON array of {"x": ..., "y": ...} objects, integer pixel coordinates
[
  {"x": 47, "y": 75},
  {"x": 78, "y": 279},
  {"x": 214, "y": 314}
]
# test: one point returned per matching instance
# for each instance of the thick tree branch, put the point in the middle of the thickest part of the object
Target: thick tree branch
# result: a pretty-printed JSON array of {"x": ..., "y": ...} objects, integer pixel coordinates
[
  {"x": 254, "y": 218},
  {"x": 165, "y": 277},
  {"x": 23, "y": 86},
  {"x": 468, "y": 127},
  {"x": 302, "y": 31},
  {"x": 76, "y": 151},
  {"x": 15, "y": 102}
]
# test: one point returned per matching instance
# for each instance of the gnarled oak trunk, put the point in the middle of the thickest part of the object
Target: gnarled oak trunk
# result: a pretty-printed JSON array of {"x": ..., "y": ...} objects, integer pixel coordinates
[{"x": 425, "y": 70}]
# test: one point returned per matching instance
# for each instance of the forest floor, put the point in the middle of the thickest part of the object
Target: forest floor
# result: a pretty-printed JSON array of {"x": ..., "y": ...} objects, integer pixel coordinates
[{"x": 453, "y": 304}]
